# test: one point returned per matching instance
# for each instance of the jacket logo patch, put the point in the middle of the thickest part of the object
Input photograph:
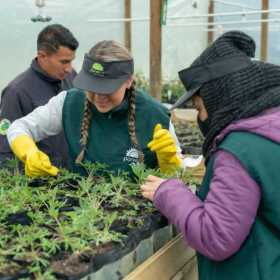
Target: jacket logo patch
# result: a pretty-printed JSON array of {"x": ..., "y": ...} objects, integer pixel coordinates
[
  {"x": 131, "y": 156},
  {"x": 4, "y": 125}
]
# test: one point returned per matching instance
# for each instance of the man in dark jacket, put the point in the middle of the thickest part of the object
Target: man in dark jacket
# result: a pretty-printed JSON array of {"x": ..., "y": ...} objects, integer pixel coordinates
[{"x": 50, "y": 72}]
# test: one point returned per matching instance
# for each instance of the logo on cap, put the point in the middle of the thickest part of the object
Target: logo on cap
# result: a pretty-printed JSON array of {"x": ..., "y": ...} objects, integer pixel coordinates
[{"x": 97, "y": 68}]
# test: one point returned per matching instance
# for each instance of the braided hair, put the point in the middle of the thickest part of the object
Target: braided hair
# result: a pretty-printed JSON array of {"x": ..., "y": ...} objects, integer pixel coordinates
[
  {"x": 131, "y": 122},
  {"x": 84, "y": 130},
  {"x": 109, "y": 50}
]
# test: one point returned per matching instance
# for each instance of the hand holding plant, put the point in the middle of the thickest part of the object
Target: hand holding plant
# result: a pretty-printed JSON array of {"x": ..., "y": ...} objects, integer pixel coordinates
[
  {"x": 150, "y": 187},
  {"x": 36, "y": 162}
]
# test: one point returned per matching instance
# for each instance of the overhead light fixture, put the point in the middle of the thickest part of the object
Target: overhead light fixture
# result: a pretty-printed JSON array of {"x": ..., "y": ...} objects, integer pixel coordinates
[
  {"x": 40, "y": 4},
  {"x": 244, "y": 15},
  {"x": 194, "y": 4}
]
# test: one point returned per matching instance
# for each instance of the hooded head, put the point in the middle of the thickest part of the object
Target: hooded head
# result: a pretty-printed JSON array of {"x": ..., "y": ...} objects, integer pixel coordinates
[{"x": 231, "y": 85}]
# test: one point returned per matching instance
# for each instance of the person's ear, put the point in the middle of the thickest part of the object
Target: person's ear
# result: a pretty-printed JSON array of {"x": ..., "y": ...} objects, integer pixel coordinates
[
  {"x": 129, "y": 82},
  {"x": 41, "y": 54}
]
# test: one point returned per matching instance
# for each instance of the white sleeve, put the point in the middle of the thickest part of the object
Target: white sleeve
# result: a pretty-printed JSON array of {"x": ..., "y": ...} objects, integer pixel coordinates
[
  {"x": 173, "y": 133},
  {"x": 44, "y": 121}
]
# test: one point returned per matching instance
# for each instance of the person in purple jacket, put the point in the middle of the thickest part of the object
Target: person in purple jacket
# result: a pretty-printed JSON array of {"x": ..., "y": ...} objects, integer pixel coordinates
[{"x": 233, "y": 222}]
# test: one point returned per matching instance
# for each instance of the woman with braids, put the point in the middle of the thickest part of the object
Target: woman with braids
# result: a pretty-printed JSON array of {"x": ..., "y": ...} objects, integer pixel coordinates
[
  {"x": 234, "y": 220},
  {"x": 104, "y": 119}
]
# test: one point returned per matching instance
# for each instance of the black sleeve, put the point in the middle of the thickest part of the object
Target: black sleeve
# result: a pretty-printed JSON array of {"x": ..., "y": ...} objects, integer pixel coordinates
[
  {"x": 4, "y": 157},
  {"x": 11, "y": 108}
]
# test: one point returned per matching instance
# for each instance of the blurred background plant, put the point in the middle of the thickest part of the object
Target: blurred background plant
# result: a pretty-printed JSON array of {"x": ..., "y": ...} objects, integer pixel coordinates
[{"x": 170, "y": 92}]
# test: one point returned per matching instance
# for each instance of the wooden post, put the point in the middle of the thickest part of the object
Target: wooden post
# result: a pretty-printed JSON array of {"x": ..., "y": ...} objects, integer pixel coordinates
[
  {"x": 127, "y": 24},
  {"x": 210, "y": 34},
  {"x": 264, "y": 31},
  {"x": 155, "y": 48}
]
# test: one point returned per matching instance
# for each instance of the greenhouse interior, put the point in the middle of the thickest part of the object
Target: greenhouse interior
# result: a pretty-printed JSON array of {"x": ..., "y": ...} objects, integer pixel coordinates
[{"x": 126, "y": 139}]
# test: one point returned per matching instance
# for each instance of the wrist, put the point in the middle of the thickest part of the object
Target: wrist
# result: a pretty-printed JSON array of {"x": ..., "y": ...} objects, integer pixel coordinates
[{"x": 22, "y": 146}]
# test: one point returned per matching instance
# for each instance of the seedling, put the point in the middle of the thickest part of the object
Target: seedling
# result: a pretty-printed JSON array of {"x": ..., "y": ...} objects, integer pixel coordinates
[{"x": 85, "y": 226}]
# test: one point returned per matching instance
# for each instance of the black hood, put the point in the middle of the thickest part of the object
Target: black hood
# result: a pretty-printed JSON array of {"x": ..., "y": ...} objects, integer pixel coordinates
[{"x": 242, "y": 93}]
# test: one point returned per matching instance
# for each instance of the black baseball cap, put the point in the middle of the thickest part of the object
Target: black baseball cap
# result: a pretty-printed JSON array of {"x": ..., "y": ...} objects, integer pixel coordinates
[
  {"x": 103, "y": 77},
  {"x": 194, "y": 77}
]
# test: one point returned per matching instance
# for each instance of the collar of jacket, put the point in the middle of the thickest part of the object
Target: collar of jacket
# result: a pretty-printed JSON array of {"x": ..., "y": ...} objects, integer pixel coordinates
[{"x": 37, "y": 68}]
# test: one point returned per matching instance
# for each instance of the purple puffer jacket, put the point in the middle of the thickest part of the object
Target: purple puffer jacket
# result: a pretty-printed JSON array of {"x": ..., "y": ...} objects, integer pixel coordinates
[{"x": 218, "y": 226}]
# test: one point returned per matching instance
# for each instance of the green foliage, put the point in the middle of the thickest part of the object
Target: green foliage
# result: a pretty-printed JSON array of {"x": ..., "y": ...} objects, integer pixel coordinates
[
  {"x": 170, "y": 91},
  {"x": 142, "y": 82},
  {"x": 101, "y": 198},
  {"x": 141, "y": 173}
]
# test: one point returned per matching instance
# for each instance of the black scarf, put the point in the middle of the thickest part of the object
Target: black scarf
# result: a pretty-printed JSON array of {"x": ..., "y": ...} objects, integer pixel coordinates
[{"x": 238, "y": 96}]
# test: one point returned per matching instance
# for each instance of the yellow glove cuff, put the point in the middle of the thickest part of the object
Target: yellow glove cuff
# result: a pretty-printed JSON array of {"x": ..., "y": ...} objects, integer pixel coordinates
[
  {"x": 22, "y": 145},
  {"x": 36, "y": 162},
  {"x": 164, "y": 145}
]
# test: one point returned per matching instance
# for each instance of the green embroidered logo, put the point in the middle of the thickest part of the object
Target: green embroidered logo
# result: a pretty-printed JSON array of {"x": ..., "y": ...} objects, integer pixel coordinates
[
  {"x": 97, "y": 68},
  {"x": 4, "y": 125}
]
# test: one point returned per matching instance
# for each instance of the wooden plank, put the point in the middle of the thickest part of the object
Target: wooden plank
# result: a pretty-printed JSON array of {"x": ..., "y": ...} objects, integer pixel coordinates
[
  {"x": 188, "y": 272},
  {"x": 210, "y": 34},
  {"x": 127, "y": 24},
  {"x": 155, "y": 48},
  {"x": 264, "y": 31},
  {"x": 165, "y": 263}
]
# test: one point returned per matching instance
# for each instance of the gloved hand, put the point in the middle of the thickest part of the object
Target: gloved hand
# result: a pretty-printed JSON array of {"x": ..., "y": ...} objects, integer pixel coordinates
[
  {"x": 163, "y": 144},
  {"x": 36, "y": 162}
]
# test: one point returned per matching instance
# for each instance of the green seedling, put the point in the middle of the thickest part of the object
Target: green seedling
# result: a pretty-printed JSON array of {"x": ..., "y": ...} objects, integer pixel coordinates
[{"x": 83, "y": 228}]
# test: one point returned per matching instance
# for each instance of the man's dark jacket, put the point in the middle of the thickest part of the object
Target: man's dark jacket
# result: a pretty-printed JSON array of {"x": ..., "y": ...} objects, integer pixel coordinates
[{"x": 27, "y": 91}]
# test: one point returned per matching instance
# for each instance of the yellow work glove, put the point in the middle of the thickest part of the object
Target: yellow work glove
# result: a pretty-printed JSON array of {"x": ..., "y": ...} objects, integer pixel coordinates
[
  {"x": 36, "y": 162},
  {"x": 163, "y": 144}
]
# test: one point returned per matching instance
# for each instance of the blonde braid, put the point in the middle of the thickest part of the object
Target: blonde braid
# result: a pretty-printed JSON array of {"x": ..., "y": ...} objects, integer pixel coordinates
[
  {"x": 131, "y": 122},
  {"x": 84, "y": 130}
]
